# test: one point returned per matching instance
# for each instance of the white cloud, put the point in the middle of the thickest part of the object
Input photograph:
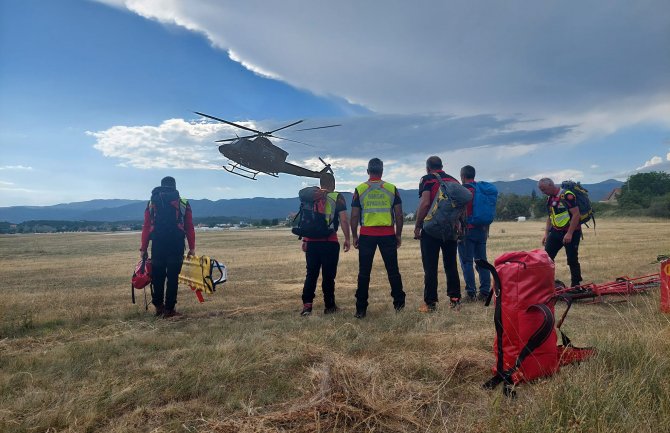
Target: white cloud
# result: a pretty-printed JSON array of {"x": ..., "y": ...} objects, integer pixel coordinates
[
  {"x": 655, "y": 160},
  {"x": 4, "y": 183},
  {"x": 175, "y": 143},
  {"x": 601, "y": 64},
  {"x": 559, "y": 174},
  {"x": 15, "y": 167}
]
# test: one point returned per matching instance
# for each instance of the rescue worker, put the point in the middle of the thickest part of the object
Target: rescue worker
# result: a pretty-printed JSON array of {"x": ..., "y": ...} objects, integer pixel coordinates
[
  {"x": 473, "y": 246},
  {"x": 563, "y": 228},
  {"x": 377, "y": 206},
  {"x": 430, "y": 246},
  {"x": 323, "y": 254},
  {"x": 168, "y": 219}
]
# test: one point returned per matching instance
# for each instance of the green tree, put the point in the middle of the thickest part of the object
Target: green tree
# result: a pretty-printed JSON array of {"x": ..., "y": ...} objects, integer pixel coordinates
[{"x": 641, "y": 189}]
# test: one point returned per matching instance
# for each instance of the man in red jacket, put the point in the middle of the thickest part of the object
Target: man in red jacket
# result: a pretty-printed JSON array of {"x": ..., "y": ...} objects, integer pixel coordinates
[{"x": 167, "y": 221}]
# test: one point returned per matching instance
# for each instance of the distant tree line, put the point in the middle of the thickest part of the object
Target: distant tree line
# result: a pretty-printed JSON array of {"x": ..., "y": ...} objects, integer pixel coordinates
[
  {"x": 57, "y": 226},
  {"x": 643, "y": 194},
  {"x": 646, "y": 194}
]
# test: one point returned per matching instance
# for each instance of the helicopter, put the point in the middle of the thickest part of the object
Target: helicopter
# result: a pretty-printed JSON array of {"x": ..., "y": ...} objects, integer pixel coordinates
[{"x": 254, "y": 154}]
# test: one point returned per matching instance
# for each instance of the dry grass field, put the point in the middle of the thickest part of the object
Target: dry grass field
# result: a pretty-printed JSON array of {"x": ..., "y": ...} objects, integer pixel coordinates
[{"x": 76, "y": 355}]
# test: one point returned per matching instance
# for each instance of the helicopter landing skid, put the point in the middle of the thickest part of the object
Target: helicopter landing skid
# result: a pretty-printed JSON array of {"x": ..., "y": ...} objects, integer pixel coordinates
[{"x": 252, "y": 172}]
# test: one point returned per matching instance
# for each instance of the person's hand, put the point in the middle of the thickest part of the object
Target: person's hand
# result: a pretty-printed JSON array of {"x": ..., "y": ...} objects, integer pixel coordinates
[
  {"x": 398, "y": 241},
  {"x": 356, "y": 242},
  {"x": 303, "y": 247},
  {"x": 347, "y": 245},
  {"x": 417, "y": 232},
  {"x": 544, "y": 239},
  {"x": 191, "y": 253},
  {"x": 567, "y": 238},
  {"x": 143, "y": 254}
]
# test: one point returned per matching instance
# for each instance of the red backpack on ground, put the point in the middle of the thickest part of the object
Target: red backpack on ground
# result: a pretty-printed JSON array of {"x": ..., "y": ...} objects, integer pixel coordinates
[{"x": 525, "y": 344}]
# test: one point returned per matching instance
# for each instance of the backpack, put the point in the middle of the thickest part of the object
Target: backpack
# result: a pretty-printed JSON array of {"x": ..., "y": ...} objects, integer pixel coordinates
[
  {"x": 484, "y": 202},
  {"x": 583, "y": 200},
  {"x": 525, "y": 344},
  {"x": 167, "y": 211},
  {"x": 446, "y": 217},
  {"x": 311, "y": 219}
]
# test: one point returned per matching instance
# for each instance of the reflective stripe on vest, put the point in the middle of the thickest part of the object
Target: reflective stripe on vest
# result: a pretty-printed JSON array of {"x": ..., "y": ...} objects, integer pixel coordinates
[
  {"x": 560, "y": 219},
  {"x": 376, "y": 200}
]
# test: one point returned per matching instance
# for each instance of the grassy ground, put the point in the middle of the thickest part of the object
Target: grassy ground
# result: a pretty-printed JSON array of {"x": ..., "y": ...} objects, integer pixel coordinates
[{"x": 76, "y": 355}]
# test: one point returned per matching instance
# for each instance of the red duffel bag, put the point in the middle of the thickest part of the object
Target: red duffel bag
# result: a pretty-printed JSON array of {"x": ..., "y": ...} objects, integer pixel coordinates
[{"x": 525, "y": 343}]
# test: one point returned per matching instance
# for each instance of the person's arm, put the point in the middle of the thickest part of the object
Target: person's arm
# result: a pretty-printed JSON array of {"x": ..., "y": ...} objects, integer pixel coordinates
[
  {"x": 574, "y": 224},
  {"x": 146, "y": 233},
  {"x": 344, "y": 225},
  {"x": 355, "y": 217},
  {"x": 189, "y": 230},
  {"x": 547, "y": 227},
  {"x": 399, "y": 222},
  {"x": 421, "y": 212}
]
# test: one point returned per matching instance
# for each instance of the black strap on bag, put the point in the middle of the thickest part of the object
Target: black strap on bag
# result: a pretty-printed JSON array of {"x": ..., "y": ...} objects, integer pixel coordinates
[{"x": 535, "y": 341}]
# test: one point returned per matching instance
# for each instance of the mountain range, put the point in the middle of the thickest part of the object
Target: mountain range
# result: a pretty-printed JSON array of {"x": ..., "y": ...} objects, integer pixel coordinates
[{"x": 250, "y": 208}]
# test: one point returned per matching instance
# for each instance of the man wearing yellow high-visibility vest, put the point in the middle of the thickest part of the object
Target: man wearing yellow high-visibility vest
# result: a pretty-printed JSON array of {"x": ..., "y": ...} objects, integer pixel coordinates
[
  {"x": 377, "y": 206},
  {"x": 563, "y": 228}
]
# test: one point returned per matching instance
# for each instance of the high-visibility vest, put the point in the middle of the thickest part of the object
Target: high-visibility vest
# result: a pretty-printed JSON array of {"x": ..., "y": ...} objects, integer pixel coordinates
[
  {"x": 560, "y": 214},
  {"x": 331, "y": 200},
  {"x": 376, "y": 200}
]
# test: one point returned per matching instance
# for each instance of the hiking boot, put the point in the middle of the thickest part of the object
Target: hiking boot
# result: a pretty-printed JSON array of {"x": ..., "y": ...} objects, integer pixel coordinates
[
  {"x": 360, "y": 314},
  {"x": 172, "y": 314},
  {"x": 482, "y": 297},
  {"x": 331, "y": 310},
  {"x": 306, "y": 310},
  {"x": 471, "y": 297},
  {"x": 159, "y": 310},
  {"x": 427, "y": 308},
  {"x": 455, "y": 303},
  {"x": 399, "y": 308}
]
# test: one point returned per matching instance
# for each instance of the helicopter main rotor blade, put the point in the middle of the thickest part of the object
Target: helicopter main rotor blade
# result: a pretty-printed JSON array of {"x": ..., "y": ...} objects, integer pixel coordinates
[
  {"x": 234, "y": 139},
  {"x": 295, "y": 141},
  {"x": 227, "y": 122},
  {"x": 284, "y": 127},
  {"x": 318, "y": 127}
]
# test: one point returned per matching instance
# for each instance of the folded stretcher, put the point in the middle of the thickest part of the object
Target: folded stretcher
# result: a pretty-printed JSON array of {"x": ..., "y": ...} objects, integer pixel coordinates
[{"x": 202, "y": 274}]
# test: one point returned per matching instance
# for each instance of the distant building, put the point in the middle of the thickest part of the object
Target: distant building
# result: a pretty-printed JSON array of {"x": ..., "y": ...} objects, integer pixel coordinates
[{"x": 612, "y": 196}]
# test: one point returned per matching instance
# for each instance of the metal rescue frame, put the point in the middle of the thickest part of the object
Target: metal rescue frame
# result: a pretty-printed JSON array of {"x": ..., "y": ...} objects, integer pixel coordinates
[{"x": 621, "y": 286}]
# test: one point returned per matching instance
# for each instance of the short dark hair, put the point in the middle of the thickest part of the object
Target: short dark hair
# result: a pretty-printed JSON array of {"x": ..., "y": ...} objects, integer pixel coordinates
[
  {"x": 375, "y": 166},
  {"x": 327, "y": 181},
  {"x": 168, "y": 181},
  {"x": 434, "y": 163},
  {"x": 468, "y": 172}
]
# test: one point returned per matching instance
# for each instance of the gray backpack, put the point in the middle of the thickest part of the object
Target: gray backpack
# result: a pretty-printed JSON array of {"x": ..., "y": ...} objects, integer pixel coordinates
[{"x": 446, "y": 216}]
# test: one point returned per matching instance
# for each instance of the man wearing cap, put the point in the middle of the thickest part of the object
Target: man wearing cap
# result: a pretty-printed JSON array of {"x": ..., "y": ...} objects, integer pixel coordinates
[
  {"x": 167, "y": 221},
  {"x": 377, "y": 206}
]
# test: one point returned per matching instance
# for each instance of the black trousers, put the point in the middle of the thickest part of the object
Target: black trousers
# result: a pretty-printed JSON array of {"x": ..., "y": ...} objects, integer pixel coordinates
[
  {"x": 367, "y": 246},
  {"x": 554, "y": 244},
  {"x": 430, "y": 254},
  {"x": 167, "y": 256},
  {"x": 321, "y": 256}
]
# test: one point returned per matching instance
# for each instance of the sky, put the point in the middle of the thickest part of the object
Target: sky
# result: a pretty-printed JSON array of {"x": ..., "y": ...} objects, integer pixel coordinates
[{"x": 97, "y": 97}]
